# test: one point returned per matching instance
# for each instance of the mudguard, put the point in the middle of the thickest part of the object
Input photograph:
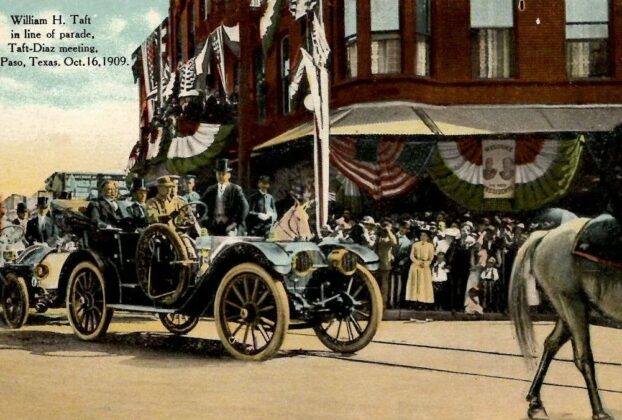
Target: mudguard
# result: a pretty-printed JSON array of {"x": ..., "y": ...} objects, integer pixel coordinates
[
  {"x": 54, "y": 262},
  {"x": 273, "y": 252}
]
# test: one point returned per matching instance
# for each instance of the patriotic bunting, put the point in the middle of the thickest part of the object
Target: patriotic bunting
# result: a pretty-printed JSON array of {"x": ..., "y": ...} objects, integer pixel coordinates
[
  {"x": 384, "y": 167},
  {"x": 299, "y": 8},
  {"x": 544, "y": 170}
]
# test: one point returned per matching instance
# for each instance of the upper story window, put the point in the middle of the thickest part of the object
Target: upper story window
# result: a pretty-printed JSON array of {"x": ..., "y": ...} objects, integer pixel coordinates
[
  {"x": 386, "y": 47},
  {"x": 587, "y": 38},
  {"x": 285, "y": 62},
  {"x": 349, "y": 24},
  {"x": 492, "y": 35},
  {"x": 191, "y": 30},
  {"x": 423, "y": 28},
  {"x": 206, "y": 8}
]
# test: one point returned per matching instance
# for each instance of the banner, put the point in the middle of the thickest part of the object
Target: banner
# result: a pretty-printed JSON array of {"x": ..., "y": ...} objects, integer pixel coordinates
[{"x": 499, "y": 168}]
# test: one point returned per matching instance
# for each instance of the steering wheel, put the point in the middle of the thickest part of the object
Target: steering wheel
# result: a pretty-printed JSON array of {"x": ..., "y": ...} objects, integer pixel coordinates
[
  {"x": 190, "y": 214},
  {"x": 11, "y": 234}
]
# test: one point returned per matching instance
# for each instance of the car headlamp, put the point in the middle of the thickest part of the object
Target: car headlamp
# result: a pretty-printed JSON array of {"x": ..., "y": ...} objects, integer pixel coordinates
[
  {"x": 41, "y": 271},
  {"x": 343, "y": 260},
  {"x": 302, "y": 263}
]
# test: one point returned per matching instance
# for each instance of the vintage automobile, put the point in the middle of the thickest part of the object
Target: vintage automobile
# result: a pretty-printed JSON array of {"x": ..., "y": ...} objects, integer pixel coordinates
[{"x": 255, "y": 289}]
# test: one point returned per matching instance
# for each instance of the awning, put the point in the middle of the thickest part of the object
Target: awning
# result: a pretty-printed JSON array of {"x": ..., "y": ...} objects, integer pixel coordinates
[
  {"x": 516, "y": 119},
  {"x": 410, "y": 118}
]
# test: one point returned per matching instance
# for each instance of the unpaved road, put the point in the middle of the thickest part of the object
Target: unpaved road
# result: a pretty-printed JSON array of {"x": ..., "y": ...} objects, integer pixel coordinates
[{"x": 436, "y": 370}]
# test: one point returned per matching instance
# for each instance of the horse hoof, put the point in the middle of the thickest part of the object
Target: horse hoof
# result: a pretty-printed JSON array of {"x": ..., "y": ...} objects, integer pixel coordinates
[
  {"x": 537, "y": 413},
  {"x": 602, "y": 416}
]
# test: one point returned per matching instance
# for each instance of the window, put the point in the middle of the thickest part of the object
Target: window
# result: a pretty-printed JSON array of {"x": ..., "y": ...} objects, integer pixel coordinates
[
  {"x": 423, "y": 33},
  {"x": 349, "y": 16},
  {"x": 386, "y": 46},
  {"x": 587, "y": 38},
  {"x": 260, "y": 84},
  {"x": 492, "y": 36},
  {"x": 191, "y": 30},
  {"x": 285, "y": 102},
  {"x": 206, "y": 8}
]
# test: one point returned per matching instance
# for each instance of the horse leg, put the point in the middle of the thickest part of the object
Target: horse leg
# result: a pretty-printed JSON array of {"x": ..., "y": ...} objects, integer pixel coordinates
[
  {"x": 576, "y": 317},
  {"x": 558, "y": 337}
]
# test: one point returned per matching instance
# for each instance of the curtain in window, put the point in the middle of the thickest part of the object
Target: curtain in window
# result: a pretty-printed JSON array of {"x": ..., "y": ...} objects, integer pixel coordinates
[
  {"x": 493, "y": 48},
  {"x": 386, "y": 55},
  {"x": 352, "y": 61},
  {"x": 349, "y": 16},
  {"x": 422, "y": 59}
]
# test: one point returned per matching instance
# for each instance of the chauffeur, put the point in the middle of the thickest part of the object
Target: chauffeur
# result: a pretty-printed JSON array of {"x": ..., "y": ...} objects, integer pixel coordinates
[
  {"x": 160, "y": 207},
  {"x": 227, "y": 207}
]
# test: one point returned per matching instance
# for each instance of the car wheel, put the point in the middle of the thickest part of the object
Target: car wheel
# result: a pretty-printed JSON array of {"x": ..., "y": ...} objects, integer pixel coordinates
[
  {"x": 88, "y": 314},
  {"x": 15, "y": 303},
  {"x": 356, "y": 322},
  {"x": 178, "y": 323},
  {"x": 251, "y": 313}
]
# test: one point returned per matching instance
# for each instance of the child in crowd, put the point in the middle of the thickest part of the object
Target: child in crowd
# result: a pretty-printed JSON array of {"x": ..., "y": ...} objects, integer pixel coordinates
[
  {"x": 439, "y": 280},
  {"x": 489, "y": 278}
]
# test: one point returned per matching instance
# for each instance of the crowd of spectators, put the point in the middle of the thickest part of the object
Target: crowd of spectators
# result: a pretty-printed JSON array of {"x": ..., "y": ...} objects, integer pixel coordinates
[{"x": 438, "y": 260}]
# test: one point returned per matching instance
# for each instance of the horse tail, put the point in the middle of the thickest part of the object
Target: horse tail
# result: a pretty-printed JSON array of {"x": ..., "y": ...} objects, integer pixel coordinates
[{"x": 519, "y": 306}]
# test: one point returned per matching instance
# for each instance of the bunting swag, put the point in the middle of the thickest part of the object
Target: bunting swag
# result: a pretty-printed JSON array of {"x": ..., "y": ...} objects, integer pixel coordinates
[
  {"x": 384, "y": 168},
  {"x": 544, "y": 170},
  {"x": 270, "y": 23},
  {"x": 198, "y": 150}
]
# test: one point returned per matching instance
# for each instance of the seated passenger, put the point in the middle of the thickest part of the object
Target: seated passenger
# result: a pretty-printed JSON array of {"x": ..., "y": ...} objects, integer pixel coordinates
[
  {"x": 136, "y": 207},
  {"x": 105, "y": 212},
  {"x": 165, "y": 203}
]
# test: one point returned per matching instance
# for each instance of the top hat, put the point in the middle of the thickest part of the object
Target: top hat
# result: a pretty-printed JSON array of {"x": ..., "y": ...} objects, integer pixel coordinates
[
  {"x": 264, "y": 178},
  {"x": 21, "y": 208},
  {"x": 138, "y": 184},
  {"x": 165, "y": 181},
  {"x": 42, "y": 201},
  {"x": 222, "y": 165}
]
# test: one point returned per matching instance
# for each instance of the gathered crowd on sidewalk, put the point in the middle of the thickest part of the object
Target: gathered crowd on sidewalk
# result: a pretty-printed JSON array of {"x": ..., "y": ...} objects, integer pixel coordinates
[{"x": 439, "y": 261}]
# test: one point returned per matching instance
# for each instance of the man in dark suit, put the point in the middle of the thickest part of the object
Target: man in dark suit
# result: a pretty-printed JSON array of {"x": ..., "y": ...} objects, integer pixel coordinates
[
  {"x": 22, "y": 216},
  {"x": 262, "y": 211},
  {"x": 227, "y": 207},
  {"x": 136, "y": 208},
  {"x": 105, "y": 212},
  {"x": 41, "y": 227}
]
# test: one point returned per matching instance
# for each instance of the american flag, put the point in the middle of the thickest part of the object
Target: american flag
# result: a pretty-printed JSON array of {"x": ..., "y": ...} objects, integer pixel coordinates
[
  {"x": 299, "y": 8},
  {"x": 380, "y": 174}
]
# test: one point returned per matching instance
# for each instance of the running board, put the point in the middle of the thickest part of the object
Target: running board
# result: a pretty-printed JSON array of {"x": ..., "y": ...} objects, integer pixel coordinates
[{"x": 137, "y": 308}]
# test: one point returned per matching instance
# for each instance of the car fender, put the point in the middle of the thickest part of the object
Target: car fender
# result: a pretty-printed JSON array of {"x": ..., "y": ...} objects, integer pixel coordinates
[
  {"x": 367, "y": 256},
  {"x": 54, "y": 262}
]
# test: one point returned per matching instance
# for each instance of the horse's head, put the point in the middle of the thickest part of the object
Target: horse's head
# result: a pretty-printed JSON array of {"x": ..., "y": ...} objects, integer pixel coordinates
[{"x": 294, "y": 224}]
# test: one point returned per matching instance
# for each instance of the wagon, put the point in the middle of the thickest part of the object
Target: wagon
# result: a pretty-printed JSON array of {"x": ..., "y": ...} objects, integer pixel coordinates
[{"x": 255, "y": 289}]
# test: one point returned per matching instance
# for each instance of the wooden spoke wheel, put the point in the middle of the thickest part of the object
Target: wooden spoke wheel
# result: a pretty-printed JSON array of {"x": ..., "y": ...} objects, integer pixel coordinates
[
  {"x": 357, "y": 319},
  {"x": 15, "y": 302},
  {"x": 178, "y": 323},
  {"x": 86, "y": 302},
  {"x": 251, "y": 313}
]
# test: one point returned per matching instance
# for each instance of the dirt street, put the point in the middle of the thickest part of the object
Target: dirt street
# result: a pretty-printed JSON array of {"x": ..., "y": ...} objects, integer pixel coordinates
[{"x": 440, "y": 370}]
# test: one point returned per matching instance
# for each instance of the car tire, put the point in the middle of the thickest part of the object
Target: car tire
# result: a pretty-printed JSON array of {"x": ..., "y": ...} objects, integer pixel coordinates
[
  {"x": 177, "y": 323},
  {"x": 368, "y": 309},
  {"x": 15, "y": 301},
  {"x": 251, "y": 313},
  {"x": 87, "y": 312}
]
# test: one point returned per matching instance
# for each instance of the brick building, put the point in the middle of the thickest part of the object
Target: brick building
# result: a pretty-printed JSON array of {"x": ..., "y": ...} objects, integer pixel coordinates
[{"x": 414, "y": 70}]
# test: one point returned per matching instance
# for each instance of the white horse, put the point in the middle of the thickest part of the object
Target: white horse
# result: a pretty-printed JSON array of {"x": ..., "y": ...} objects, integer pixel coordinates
[
  {"x": 294, "y": 224},
  {"x": 573, "y": 284}
]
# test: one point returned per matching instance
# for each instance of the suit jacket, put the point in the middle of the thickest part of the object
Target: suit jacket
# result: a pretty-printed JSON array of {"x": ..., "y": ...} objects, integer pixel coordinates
[
  {"x": 102, "y": 213},
  {"x": 47, "y": 234},
  {"x": 236, "y": 206},
  {"x": 260, "y": 203}
]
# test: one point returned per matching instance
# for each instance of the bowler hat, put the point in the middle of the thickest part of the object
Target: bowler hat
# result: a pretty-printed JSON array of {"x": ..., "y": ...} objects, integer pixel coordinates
[
  {"x": 165, "y": 181},
  {"x": 264, "y": 178},
  {"x": 21, "y": 208},
  {"x": 138, "y": 184},
  {"x": 222, "y": 165}
]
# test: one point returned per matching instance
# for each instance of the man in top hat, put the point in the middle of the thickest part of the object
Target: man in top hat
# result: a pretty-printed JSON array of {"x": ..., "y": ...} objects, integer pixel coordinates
[
  {"x": 262, "y": 210},
  {"x": 22, "y": 216},
  {"x": 190, "y": 194},
  {"x": 227, "y": 207},
  {"x": 41, "y": 227},
  {"x": 161, "y": 207},
  {"x": 137, "y": 209},
  {"x": 105, "y": 211}
]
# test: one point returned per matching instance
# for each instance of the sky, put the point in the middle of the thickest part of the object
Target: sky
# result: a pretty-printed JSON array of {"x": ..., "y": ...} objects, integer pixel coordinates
[{"x": 70, "y": 118}]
